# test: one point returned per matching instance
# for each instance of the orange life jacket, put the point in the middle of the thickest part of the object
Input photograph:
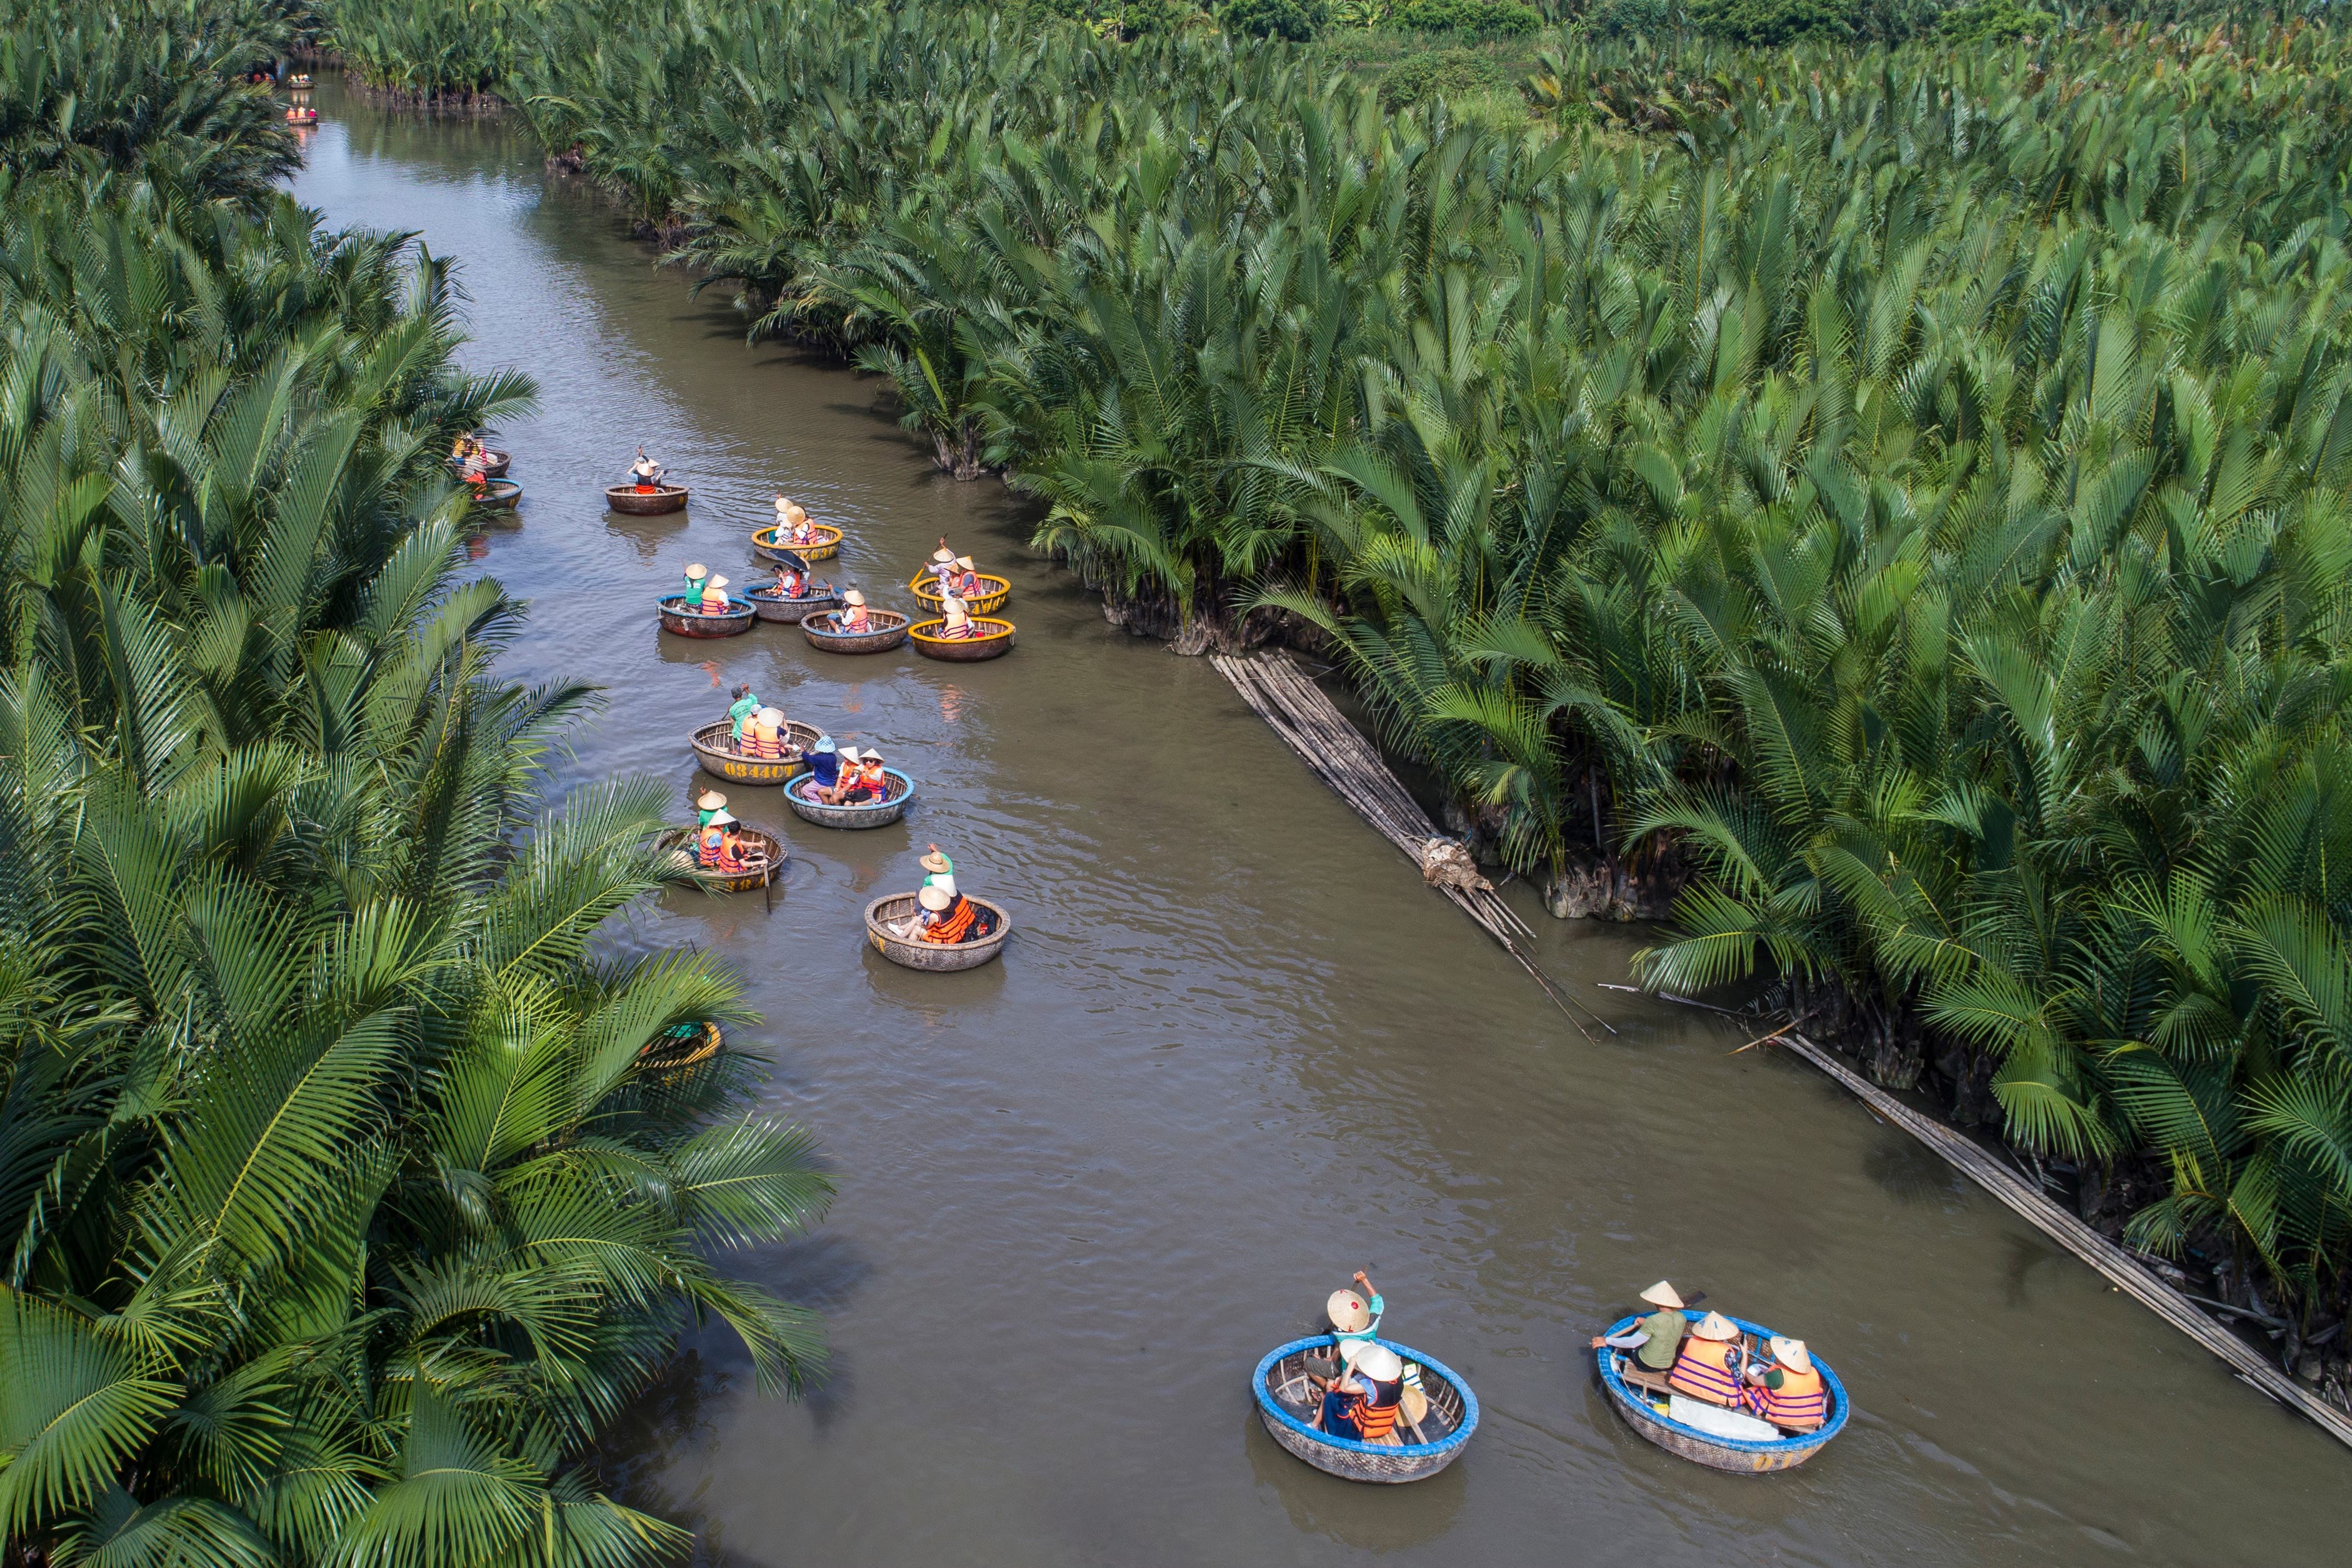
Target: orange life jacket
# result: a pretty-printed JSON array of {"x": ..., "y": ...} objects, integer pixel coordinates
[
  {"x": 1375, "y": 1421},
  {"x": 1703, "y": 1371},
  {"x": 871, "y": 775},
  {"x": 764, "y": 741},
  {"x": 954, "y": 925},
  {"x": 1802, "y": 1403},
  {"x": 708, "y": 848},
  {"x": 729, "y": 861}
]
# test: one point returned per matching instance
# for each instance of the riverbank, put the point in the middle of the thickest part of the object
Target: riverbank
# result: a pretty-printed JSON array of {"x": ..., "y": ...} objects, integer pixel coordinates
[{"x": 1098, "y": 1179}]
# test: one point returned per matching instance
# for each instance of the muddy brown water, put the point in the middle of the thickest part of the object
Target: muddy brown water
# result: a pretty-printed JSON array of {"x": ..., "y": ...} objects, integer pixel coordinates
[{"x": 1233, "y": 1053}]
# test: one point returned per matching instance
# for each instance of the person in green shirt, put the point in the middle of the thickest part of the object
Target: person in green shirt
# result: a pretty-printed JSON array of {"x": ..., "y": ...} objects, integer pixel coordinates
[
  {"x": 1653, "y": 1339},
  {"x": 696, "y": 576},
  {"x": 710, "y": 804},
  {"x": 747, "y": 703}
]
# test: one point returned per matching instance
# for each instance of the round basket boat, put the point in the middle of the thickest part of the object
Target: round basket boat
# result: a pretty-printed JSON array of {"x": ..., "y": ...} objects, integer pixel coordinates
[
  {"x": 499, "y": 495},
  {"x": 1287, "y": 1403},
  {"x": 628, "y": 498},
  {"x": 494, "y": 465},
  {"x": 872, "y": 814},
  {"x": 939, "y": 958},
  {"x": 300, "y": 82},
  {"x": 687, "y": 1045},
  {"x": 714, "y": 748},
  {"x": 994, "y": 641},
  {"x": 772, "y": 606},
  {"x": 765, "y": 844},
  {"x": 692, "y": 622},
  {"x": 888, "y": 631},
  {"x": 823, "y": 547},
  {"x": 994, "y": 592},
  {"x": 1739, "y": 1456}
]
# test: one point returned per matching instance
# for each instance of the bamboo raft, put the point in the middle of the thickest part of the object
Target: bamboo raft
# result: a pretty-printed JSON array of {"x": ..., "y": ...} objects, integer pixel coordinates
[
  {"x": 867, "y": 814},
  {"x": 994, "y": 642},
  {"x": 825, "y": 547},
  {"x": 628, "y": 500},
  {"x": 714, "y": 749},
  {"x": 889, "y": 630},
  {"x": 936, "y": 958},
  {"x": 771, "y": 605},
  {"x": 994, "y": 592},
  {"x": 1287, "y": 1403},
  {"x": 1633, "y": 1389},
  {"x": 692, "y": 623}
]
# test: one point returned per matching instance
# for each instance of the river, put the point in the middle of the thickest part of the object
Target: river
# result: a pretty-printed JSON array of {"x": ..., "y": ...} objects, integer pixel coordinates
[{"x": 1233, "y": 1054}]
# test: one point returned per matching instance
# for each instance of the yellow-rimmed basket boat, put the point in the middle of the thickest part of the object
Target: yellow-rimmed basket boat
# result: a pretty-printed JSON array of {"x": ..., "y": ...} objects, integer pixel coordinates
[
  {"x": 825, "y": 547},
  {"x": 715, "y": 750},
  {"x": 630, "y": 501},
  {"x": 767, "y": 869},
  {"x": 994, "y": 641},
  {"x": 935, "y": 956},
  {"x": 994, "y": 592},
  {"x": 687, "y": 1045}
]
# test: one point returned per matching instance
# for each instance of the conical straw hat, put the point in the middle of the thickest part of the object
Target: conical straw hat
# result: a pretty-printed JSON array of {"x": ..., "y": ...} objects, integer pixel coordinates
[
  {"x": 1661, "y": 1294},
  {"x": 1715, "y": 1326},
  {"x": 1792, "y": 1353},
  {"x": 1348, "y": 1312},
  {"x": 710, "y": 800}
]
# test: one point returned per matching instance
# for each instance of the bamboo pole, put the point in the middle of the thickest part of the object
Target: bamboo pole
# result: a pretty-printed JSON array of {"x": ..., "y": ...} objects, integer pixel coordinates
[{"x": 2126, "y": 1272}]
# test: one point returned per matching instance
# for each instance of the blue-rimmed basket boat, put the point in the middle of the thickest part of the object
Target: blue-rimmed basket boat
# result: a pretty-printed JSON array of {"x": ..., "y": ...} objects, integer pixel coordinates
[
  {"x": 499, "y": 495},
  {"x": 872, "y": 814},
  {"x": 676, "y": 617},
  {"x": 994, "y": 592},
  {"x": 887, "y": 630},
  {"x": 937, "y": 957},
  {"x": 771, "y": 605},
  {"x": 1739, "y": 1456},
  {"x": 714, "y": 748},
  {"x": 823, "y": 547},
  {"x": 1286, "y": 1402},
  {"x": 628, "y": 499}
]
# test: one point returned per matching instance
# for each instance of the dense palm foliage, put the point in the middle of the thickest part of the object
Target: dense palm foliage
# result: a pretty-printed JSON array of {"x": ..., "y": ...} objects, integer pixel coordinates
[
  {"x": 350, "y": 1184},
  {"x": 1906, "y": 491}
]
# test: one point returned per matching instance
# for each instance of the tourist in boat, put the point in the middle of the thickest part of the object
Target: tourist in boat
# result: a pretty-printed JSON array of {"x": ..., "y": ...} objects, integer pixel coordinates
[
  {"x": 846, "y": 782},
  {"x": 958, "y": 920},
  {"x": 800, "y": 530},
  {"x": 708, "y": 803},
  {"x": 696, "y": 577},
  {"x": 824, "y": 768},
  {"x": 1703, "y": 1368},
  {"x": 646, "y": 474},
  {"x": 853, "y": 616},
  {"x": 735, "y": 856},
  {"x": 967, "y": 578},
  {"x": 474, "y": 466},
  {"x": 791, "y": 584},
  {"x": 747, "y": 703},
  {"x": 714, "y": 597},
  {"x": 710, "y": 842},
  {"x": 1656, "y": 1339},
  {"x": 766, "y": 733},
  {"x": 1788, "y": 1390},
  {"x": 958, "y": 623},
  {"x": 868, "y": 782},
  {"x": 936, "y": 865},
  {"x": 1362, "y": 1402}
]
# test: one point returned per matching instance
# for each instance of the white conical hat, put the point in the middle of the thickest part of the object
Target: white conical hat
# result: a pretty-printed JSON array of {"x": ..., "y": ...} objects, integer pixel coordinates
[
  {"x": 1715, "y": 1326},
  {"x": 771, "y": 717},
  {"x": 1373, "y": 1359},
  {"x": 933, "y": 898},
  {"x": 1792, "y": 1353},
  {"x": 853, "y": 597},
  {"x": 720, "y": 819},
  {"x": 711, "y": 800},
  {"x": 717, "y": 582},
  {"x": 1663, "y": 1295},
  {"x": 1348, "y": 1312},
  {"x": 697, "y": 570}
]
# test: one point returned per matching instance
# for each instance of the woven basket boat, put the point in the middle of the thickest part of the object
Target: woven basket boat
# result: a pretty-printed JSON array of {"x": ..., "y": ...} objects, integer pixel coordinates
[
  {"x": 687, "y": 1045},
  {"x": 939, "y": 958},
  {"x": 494, "y": 465},
  {"x": 685, "y": 623},
  {"x": 772, "y": 606},
  {"x": 873, "y": 814},
  {"x": 499, "y": 495},
  {"x": 714, "y": 748},
  {"x": 666, "y": 498},
  {"x": 994, "y": 641},
  {"x": 825, "y": 547},
  {"x": 994, "y": 592},
  {"x": 1737, "y": 1456},
  {"x": 1286, "y": 1402},
  {"x": 300, "y": 82},
  {"x": 889, "y": 631}
]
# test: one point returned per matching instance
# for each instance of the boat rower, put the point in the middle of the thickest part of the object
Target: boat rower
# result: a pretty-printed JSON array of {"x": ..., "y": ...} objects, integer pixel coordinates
[
  {"x": 853, "y": 616},
  {"x": 943, "y": 562},
  {"x": 747, "y": 703},
  {"x": 783, "y": 513},
  {"x": 646, "y": 474},
  {"x": 708, "y": 803},
  {"x": 1355, "y": 1320},
  {"x": 1705, "y": 1368},
  {"x": 1653, "y": 1340},
  {"x": 697, "y": 576},
  {"x": 1788, "y": 1390},
  {"x": 936, "y": 866},
  {"x": 710, "y": 842}
]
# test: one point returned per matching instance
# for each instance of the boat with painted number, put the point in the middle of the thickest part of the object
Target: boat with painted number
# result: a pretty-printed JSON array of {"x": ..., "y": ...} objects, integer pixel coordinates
[
  {"x": 1648, "y": 1406},
  {"x": 887, "y": 630},
  {"x": 994, "y": 592},
  {"x": 993, "y": 639},
  {"x": 679, "y": 615},
  {"x": 714, "y": 748},
  {"x": 765, "y": 855},
  {"x": 869, "y": 814},
  {"x": 823, "y": 547},
  {"x": 772, "y": 605},
  {"x": 1290, "y": 1408},
  {"x": 634, "y": 502},
  {"x": 938, "y": 957}
]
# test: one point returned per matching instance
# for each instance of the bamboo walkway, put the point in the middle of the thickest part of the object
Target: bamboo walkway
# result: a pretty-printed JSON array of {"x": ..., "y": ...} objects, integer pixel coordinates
[{"x": 1304, "y": 717}]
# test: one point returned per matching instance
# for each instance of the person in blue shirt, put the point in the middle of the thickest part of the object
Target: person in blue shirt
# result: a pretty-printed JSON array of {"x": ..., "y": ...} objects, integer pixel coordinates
[{"x": 825, "y": 764}]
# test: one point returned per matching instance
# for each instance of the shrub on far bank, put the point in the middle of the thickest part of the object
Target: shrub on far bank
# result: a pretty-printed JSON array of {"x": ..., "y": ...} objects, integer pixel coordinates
[
  {"x": 1483, "y": 18},
  {"x": 1294, "y": 19},
  {"x": 1993, "y": 22},
  {"x": 1772, "y": 23}
]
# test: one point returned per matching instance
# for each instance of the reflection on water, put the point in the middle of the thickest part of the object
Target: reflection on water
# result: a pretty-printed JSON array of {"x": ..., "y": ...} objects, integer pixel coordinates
[{"x": 1233, "y": 1053}]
